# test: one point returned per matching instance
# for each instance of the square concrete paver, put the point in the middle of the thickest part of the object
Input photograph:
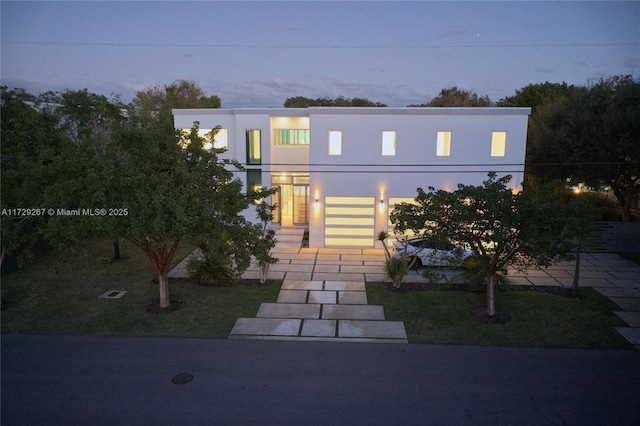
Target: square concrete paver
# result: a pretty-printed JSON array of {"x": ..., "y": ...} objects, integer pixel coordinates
[
  {"x": 627, "y": 303},
  {"x": 372, "y": 329},
  {"x": 301, "y": 285},
  {"x": 292, "y": 296},
  {"x": 352, "y": 297},
  {"x": 631, "y": 318},
  {"x": 618, "y": 292},
  {"x": 288, "y": 310},
  {"x": 336, "y": 276},
  {"x": 266, "y": 327},
  {"x": 344, "y": 285},
  {"x": 321, "y": 296},
  {"x": 632, "y": 334},
  {"x": 353, "y": 312},
  {"x": 318, "y": 328}
]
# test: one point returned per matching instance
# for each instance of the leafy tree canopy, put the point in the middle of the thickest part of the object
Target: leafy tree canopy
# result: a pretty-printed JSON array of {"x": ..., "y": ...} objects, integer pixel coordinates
[
  {"x": 302, "y": 102},
  {"x": 179, "y": 94},
  {"x": 455, "y": 97},
  {"x": 591, "y": 135},
  {"x": 30, "y": 144},
  {"x": 537, "y": 95},
  {"x": 502, "y": 228}
]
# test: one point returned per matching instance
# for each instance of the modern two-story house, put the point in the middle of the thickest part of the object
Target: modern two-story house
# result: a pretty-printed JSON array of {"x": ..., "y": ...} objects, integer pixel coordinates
[{"x": 341, "y": 170}]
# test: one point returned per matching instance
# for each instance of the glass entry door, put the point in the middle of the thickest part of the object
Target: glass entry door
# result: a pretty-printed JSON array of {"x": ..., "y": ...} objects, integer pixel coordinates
[
  {"x": 301, "y": 204},
  {"x": 292, "y": 199}
]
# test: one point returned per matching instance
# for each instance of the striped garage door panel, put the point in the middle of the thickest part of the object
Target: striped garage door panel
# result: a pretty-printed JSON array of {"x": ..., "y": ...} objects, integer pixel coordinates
[{"x": 349, "y": 221}]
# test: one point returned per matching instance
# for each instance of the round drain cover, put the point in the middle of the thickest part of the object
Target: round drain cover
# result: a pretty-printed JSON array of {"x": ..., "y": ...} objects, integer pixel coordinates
[{"x": 181, "y": 379}]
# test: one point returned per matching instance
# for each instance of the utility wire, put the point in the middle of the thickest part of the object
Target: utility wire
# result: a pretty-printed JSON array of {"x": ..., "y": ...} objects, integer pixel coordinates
[{"x": 319, "y": 46}]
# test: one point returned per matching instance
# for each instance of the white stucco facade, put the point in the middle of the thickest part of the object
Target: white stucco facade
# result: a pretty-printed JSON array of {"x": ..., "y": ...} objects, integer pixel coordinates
[{"x": 344, "y": 194}]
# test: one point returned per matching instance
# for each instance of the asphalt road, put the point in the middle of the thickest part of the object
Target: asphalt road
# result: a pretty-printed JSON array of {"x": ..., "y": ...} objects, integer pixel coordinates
[{"x": 128, "y": 381}]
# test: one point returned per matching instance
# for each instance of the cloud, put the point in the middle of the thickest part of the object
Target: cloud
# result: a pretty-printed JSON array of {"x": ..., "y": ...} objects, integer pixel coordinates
[{"x": 545, "y": 70}]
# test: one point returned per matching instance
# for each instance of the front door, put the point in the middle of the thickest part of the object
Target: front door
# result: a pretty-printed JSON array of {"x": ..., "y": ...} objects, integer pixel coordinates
[{"x": 292, "y": 199}]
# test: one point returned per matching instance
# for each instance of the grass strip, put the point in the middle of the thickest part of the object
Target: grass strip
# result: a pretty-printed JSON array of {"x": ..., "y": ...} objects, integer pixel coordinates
[
  {"x": 54, "y": 297},
  {"x": 538, "y": 319}
]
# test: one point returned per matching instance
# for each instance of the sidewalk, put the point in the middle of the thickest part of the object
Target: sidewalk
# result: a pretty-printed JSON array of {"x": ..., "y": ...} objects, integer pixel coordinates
[{"x": 608, "y": 273}]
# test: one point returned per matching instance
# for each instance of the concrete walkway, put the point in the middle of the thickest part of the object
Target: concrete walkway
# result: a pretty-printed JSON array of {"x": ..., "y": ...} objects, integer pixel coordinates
[
  {"x": 608, "y": 273},
  {"x": 321, "y": 310}
]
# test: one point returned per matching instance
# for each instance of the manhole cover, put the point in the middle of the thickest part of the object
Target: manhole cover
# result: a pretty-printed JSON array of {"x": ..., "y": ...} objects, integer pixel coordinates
[{"x": 181, "y": 379}]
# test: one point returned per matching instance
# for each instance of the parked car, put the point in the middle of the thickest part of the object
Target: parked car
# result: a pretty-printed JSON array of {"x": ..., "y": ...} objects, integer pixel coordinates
[{"x": 429, "y": 253}]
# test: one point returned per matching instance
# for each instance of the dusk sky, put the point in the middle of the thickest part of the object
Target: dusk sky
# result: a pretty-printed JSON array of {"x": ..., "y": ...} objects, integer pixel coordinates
[{"x": 258, "y": 54}]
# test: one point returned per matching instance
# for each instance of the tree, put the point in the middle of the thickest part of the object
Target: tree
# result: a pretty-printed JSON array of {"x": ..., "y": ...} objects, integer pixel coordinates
[
  {"x": 179, "y": 94},
  {"x": 502, "y": 228},
  {"x": 455, "y": 97},
  {"x": 537, "y": 95},
  {"x": 85, "y": 117},
  {"x": 302, "y": 102},
  {"x": 30, "y": 144},
  {"x": 174, "y": 193},
  {"x": 156, "y": 187},
  {"x": 583, "y": 211},
  {"x": 592, "y": 136}
]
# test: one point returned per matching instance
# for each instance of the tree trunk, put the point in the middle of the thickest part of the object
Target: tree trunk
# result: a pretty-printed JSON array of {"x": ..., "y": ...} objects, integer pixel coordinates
[
  {"x": 576, "y": 274},
  {"x": 491, "y": 294},
  {"x": 163, "y": 284},
  {"x": 116, "y": 250},
  {"x": 264, "y": 272},
  {"x": 624, "y": 204},
  {"x": 160, "y": 256}
]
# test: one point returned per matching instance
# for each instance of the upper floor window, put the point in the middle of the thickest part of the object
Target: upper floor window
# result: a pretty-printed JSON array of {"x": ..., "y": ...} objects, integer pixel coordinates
[
  {"x": 253, "y": 147},
  {"x": 389, "y": 142},
  {"x": 219, "y": 139},
  {"x": 443, "y": 144},
  {"x": 335, "y": 142},
  {"x": 292, "y": 137},
  {"x": 498, "y": 144}
]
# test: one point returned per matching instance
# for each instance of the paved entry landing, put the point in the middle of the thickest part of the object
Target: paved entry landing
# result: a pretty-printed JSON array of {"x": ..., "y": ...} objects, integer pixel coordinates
[{"x": 321, "y": 310}]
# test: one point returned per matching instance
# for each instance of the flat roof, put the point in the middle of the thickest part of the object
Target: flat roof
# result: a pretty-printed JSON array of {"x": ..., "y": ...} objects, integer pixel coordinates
[{"x": 305, "y": 112}]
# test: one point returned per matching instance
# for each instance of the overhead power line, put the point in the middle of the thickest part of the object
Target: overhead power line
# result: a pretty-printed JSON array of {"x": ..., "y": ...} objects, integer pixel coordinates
[{"x": 319, "y": 46}]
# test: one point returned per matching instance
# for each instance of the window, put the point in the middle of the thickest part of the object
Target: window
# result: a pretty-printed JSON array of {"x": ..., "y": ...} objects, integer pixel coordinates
[
  {"x": 220, "y": 139},
  {"x": 253, "y": 147},
  {"x": 335, "y": 142},
  {"x": 254, "y": 180},
  {"x": 443, "y": 144},
  {"x": 389, "y": 143},
  {"x": 498, "y": 144},
  {"x": 292, "y": 137}
]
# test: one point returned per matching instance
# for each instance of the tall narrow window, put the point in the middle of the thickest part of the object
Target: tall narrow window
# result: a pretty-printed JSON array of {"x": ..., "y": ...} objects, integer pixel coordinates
[
  {"x": 443, "y": 144},
  {"x": 220, "y": 139},
  {"x": 254, "y": 180},
  {"x": 335, "y": 142},
  {"x": 498, "y": 144},
  {"x": 253, "y": 147},
  {"x": 389, "y": 143}
]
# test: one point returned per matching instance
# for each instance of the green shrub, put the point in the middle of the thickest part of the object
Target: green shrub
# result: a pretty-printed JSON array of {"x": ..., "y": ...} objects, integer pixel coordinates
[
  {"x": 213, "y": 262},
  {"x": 396, "y": 269}
]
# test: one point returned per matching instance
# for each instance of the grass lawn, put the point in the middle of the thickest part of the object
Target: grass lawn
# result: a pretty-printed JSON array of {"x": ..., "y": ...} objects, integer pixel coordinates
[
  {"x": 537, "y": 319},
  {"x": 53, "y": 297}
]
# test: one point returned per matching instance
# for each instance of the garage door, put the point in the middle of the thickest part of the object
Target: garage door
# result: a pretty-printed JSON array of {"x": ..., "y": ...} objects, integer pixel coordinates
[{"x": 349, "y": 221}]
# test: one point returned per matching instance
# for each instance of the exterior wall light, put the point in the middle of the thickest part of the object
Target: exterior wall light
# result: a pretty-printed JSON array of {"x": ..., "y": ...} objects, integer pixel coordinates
[
  {"x": 381, "y": 206},
  {"x": 316, "y": 205}
]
